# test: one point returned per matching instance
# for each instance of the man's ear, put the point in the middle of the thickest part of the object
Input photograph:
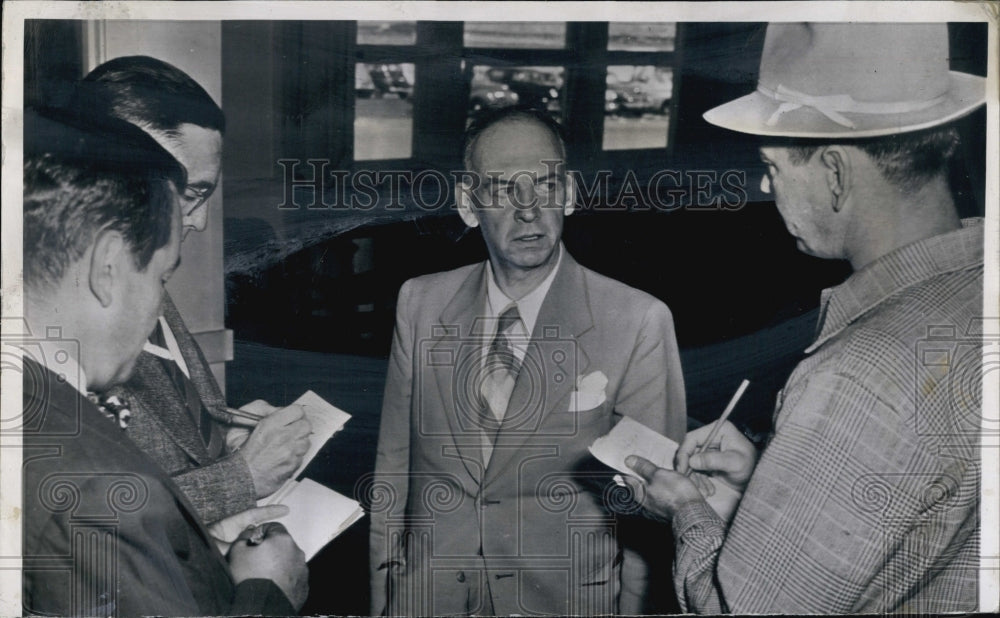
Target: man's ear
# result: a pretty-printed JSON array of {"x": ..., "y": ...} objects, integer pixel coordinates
[
  {"x": 463, "y": 198},
  {"x": 569, "y": 205},
  {"x": 837, "y": 162},
  {"x": 105, "y": 265}
]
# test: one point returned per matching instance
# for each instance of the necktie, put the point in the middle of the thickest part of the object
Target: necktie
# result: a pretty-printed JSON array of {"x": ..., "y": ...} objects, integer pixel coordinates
[
  {"x": 112, "y": 407},
  {"x": 499, "y": 375},
  {"x": 199, "y": 415}
]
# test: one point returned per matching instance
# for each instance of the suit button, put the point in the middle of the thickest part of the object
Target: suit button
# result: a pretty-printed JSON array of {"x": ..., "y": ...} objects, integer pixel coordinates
[{"x": 460, "y": 576}]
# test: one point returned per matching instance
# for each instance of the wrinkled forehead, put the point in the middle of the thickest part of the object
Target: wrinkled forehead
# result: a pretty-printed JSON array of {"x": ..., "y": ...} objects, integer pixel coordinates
[{"x": 516, "y": 145}]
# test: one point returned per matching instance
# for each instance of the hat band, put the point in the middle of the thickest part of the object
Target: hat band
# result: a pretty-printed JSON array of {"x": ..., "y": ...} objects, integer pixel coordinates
[{"x": 833, "y": 106}]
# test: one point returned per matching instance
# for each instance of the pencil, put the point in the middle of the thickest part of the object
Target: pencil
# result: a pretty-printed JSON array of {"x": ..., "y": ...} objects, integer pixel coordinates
[
  {"x": 247, "y": 416},
  {"x": 722, "y": 419},
  {"x": 257, "y": 534}
]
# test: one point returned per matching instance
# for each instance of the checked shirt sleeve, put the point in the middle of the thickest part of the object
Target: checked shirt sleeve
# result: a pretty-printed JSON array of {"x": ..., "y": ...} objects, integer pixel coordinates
[
  {"x": 840, "y": 516},
  {"x": 699, "y": 533}
]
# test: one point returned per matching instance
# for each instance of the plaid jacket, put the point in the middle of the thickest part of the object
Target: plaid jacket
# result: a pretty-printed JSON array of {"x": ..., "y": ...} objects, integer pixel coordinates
[{"x": 866, "y": 499}]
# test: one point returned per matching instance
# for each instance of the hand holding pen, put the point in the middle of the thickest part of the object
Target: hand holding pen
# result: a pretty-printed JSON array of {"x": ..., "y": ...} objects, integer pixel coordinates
[
  {"x": 275, "y": 447},
  {"x": 663, "y": 492},
  {"x": 719, "y": 450},
  {"x": 255, "y": 534}
]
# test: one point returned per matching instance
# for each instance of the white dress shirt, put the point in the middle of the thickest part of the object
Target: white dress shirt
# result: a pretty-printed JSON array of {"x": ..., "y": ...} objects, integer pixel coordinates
[
  {"x": 171, "y": 352},
  {"x": 528, "y": 307}
]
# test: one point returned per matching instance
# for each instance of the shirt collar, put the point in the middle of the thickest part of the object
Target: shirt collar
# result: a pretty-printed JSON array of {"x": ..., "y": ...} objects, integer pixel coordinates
[
  {"x": 867, "y": 288},
  {"x": 172, "y": 352},
  {"x": 529, "y": 305}
]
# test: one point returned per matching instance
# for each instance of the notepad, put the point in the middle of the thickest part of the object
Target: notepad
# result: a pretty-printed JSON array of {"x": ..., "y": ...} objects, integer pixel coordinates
[
  {"x": 630, "y": 437},
  {"x": 317, "y": 514},
  {"x": 325, "y": 420}
]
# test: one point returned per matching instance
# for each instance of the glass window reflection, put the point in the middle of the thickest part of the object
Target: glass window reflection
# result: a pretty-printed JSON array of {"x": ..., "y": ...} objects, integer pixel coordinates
[
  {"x": 637, "y": 102},
  {"x": 383, "y": 110},
  {"x": 515, "y": 35}
]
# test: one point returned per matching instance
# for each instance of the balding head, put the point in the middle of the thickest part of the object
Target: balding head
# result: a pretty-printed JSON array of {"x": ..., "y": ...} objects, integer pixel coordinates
[{"x": 491, "y": 121}]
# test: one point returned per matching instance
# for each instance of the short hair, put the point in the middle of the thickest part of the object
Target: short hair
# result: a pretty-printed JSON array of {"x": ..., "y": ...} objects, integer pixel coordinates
[
  {"x": 504, "y": 114},
  {"x": 906, "y": 160},
  {"x": 150, "y": 93},
  {"x": 83, "y": 177}
]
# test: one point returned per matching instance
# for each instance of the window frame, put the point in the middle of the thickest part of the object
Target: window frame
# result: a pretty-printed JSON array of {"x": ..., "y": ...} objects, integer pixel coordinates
[{"x": 439, "y": 51}]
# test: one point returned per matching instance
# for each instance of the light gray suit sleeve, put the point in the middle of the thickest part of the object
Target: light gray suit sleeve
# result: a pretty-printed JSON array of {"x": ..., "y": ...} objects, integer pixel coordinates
[
  {"x": 392, "y": 462},
  {"x": 652, "y": 393}
]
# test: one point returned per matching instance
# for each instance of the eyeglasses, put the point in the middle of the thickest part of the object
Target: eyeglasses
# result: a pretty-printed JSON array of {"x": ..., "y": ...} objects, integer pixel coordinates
[{"x": 194, "y": 197}]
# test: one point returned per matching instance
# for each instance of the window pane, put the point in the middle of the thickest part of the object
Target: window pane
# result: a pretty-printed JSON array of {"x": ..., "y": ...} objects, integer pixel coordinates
[
  {"x": 641, "y": 37},
  {"x": 383, "y": 111},
  {"x": 494, "y": 87},
  {"x": 387, "y": 32},
  {"x": 637, "y": 107},
  {"x": 520, "y": 35}
]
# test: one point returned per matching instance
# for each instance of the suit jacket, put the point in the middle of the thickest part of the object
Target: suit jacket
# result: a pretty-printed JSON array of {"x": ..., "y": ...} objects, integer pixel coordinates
[
  {"x": 162, "y": 427},
  {"x": 106, "y": 532},
  {"x": 525, "y": 535}
]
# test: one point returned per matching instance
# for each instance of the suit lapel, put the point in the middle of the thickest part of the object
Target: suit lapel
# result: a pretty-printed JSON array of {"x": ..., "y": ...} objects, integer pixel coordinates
[
  {"x": 551, "y": 365},
  {"x": 156, "y": 392},
  {"x": 458, "y": 344},
  {"x": 202, "y": 378},
  {"x": 119, "y": 447}
]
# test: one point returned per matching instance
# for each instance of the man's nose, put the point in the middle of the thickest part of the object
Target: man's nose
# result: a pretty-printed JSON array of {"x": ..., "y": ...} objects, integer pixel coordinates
[
  {"x": 197, "y": 219},
  {"x": 527, "y": 214},
  {"x": 527, "y": 199},
  {"x": 765, "y": 184}
]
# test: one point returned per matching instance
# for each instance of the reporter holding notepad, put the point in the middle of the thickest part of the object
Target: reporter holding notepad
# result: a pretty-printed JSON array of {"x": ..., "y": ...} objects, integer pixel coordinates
[
  {"x": 224, "y": 460},
  {"x": 866, "y": 498}
]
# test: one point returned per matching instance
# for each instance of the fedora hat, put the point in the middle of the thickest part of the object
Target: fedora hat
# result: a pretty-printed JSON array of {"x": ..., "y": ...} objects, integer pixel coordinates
[{"x": 820, "y": 80}]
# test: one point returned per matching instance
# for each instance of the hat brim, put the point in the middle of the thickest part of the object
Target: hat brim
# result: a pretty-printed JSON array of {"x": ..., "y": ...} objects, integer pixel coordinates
[{"x": 750, "y": 114}]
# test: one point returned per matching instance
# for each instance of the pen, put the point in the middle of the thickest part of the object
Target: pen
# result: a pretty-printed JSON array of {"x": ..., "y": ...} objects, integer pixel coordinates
[
  {"x": 257, "y": 536},
  {"x": 246, "y": 416},
  {"x": 721, "y": 421}
]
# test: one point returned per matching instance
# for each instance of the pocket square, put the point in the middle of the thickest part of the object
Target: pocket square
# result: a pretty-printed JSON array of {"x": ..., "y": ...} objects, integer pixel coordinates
[{"x": 589, "y": 392}]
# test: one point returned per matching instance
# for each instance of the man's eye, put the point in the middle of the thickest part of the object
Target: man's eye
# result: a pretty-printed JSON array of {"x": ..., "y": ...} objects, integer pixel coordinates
[{"x": 546, "y": 187}]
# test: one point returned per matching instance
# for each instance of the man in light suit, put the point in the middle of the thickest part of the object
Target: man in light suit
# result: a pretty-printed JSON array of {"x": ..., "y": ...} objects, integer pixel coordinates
[
  {"x": 106, "y": 532},
  {"x": 501, "y": 375},
  {"x": 179, "y": 415}
]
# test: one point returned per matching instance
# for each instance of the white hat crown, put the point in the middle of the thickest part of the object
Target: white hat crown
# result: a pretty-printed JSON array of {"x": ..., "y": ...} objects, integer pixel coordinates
[{"x": 852, "y": 80}]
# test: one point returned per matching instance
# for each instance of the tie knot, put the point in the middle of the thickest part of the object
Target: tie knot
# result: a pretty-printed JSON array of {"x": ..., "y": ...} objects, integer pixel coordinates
[{"x": 508, "y": 318}]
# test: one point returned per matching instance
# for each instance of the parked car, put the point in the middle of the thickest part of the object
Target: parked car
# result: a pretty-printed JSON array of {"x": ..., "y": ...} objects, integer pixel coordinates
[
  {"x": 638, "y": 90},
  {"x": 484, "y": 93},
  {"x": 660, "y": 92},
  {"x": 379, "y": 80},
  {"x": 626, "y": 98},
  {"x": 534, "y": 87},
  {"x": 364, "y": 88}
]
